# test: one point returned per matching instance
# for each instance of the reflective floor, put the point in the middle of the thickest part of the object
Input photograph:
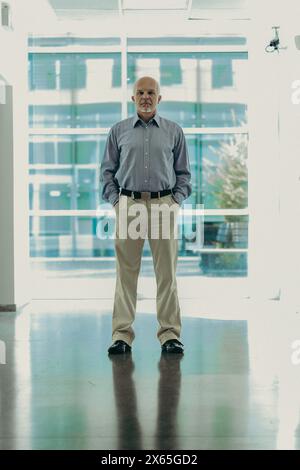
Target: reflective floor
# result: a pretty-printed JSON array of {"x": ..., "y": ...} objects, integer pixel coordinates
[{"x": 236, "y": 387}]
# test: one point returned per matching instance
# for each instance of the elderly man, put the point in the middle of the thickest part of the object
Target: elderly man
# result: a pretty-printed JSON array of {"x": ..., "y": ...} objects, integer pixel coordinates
[{"x": 145, "y": 161}]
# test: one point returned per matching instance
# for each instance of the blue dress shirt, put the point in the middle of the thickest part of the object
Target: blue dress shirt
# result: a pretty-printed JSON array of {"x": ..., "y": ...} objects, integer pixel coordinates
[{"x": 142, "y": 156}]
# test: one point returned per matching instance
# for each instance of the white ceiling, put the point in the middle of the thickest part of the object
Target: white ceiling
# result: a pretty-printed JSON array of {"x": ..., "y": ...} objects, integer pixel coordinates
[{"x": 187, "y": 9}]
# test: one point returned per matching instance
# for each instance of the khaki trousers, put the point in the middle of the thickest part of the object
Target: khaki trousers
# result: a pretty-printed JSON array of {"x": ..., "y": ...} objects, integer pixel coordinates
[{"x": 128, "y": 262}]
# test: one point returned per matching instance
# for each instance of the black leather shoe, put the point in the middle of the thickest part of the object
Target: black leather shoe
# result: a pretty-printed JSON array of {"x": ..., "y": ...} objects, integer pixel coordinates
[
  {"x": 119, "y": 347},
  {"x": 173, "y": 346}
]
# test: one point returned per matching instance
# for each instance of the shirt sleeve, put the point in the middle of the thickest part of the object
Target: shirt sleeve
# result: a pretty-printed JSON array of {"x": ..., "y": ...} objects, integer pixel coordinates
[
  {"x": 108, "y": 169},
  {"x": 183, "y": 187}
]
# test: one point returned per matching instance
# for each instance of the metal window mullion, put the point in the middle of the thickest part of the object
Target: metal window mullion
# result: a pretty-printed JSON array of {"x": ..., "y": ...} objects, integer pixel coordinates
[
  {"x": 97, "y": 174},
  {"x": 186, "y": 49},
  {"x": 136, "y": 49},
  {"x": 124, "y": 73},
  {"x": 74, "y": 50},
  {"x": 67, "y": 131},
  {"x": 73, "y": 195},
  {"x": 215, "y": 130},
  {"x": 39, "y": 259},
  {"x": 98, "y": 212},
  {"x": 61, "y": 166},
  {"x": 104, "y": 131}
]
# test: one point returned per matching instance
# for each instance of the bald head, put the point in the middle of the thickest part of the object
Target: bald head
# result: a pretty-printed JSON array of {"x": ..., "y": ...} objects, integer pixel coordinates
[
  {"x": 146, "y": 97},
  {"x": 146, "y": 81}
]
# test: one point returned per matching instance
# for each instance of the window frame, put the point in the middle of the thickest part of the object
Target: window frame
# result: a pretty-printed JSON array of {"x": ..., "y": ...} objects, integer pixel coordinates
[{"x": 124, "y": 49}]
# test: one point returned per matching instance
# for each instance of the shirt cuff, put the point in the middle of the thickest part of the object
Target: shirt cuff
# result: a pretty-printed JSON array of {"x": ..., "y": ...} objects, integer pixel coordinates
[
  {"x": 178, "y": 198},
  {"x": 114, "y": 198}
]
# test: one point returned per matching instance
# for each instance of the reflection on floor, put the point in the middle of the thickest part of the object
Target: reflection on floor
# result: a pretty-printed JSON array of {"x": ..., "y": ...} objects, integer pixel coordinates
[{"x": 236, "y": 387}]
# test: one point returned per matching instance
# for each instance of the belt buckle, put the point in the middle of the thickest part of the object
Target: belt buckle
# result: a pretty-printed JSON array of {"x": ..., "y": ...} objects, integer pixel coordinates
[{"x": 145, "y": 196}]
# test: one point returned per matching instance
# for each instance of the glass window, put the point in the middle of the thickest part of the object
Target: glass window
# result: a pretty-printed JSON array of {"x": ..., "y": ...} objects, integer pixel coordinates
[
  {"x": 64, "y": 41},
  {"x": 199, "y": 89},
  {"x": 74, "y": 187},
  {"x": 74, "y": 90},
  {"x": 63, "y": 149},
  {"x": 219, "y": 170},
  {"x": 189, "y": 41},
  {"x": 67, "y": 236},
  {"x": 76, "y": 237},
  {"x": 80, "y": 90},
  {"x": 50, "y": 189}
]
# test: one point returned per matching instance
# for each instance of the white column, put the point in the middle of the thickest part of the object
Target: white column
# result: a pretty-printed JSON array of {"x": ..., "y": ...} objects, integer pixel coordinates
[
  {"x": 6, "y": 196},
  {"x": 264, "y": 157},
  {"x": 274, "y": 263},
  {"x": 289, "y": 157},
  {"x": 14, "y": 223}
]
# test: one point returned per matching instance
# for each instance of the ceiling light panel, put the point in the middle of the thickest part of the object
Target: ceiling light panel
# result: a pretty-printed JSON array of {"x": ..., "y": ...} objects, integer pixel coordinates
[
  {"x": 84, "y": 5},
  {"x": 154, "y": 4},
  {"x": 218, "y": 4}
]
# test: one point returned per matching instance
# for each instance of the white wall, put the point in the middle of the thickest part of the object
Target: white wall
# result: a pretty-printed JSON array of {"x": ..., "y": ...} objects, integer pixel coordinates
[
  {"x": 264, "y": 272},
  {"x": 274, "y": 267},
  {"x": 14, "y": 244},
  {"x": 290, "y": 157}
]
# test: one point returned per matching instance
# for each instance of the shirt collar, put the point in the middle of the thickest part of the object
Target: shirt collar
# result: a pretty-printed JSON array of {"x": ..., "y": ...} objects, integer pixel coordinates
[{"x": 137, "y": 118}]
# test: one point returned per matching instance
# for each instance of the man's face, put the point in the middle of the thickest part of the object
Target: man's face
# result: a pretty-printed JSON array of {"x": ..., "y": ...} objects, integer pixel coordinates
[{"x": 146, "y": 97}]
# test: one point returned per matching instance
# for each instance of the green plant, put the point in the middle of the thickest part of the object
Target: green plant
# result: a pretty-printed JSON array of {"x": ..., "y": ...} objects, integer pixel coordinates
[
  {"x": 228, "y": 183},
  {"x": 228, "y": 178}
]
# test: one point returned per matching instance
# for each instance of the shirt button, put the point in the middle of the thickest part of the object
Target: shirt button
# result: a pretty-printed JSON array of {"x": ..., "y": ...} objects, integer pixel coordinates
[
  {"x": 145, "y": 167},
  {"x": 145, "y": 181}
]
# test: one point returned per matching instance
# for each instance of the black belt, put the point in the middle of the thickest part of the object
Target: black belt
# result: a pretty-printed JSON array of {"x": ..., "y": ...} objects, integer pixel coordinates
[{"x": 145, "y": 195}]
